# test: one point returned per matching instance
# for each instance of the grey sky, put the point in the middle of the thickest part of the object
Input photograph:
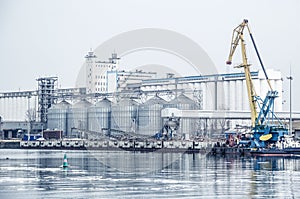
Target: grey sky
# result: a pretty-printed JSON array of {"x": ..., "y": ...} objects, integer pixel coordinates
[{"x": 51, "y": 37}]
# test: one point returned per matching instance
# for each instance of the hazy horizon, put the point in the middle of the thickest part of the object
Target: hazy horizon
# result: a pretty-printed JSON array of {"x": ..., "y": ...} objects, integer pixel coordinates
[{"x": 51, "y": 38}]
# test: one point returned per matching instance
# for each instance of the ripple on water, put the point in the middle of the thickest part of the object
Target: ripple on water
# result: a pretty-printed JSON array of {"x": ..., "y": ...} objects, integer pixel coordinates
[{"x": 36, "y": 174}]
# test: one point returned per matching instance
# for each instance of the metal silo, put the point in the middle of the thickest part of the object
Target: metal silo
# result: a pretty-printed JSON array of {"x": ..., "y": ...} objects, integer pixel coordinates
[
  {"x": 124, "y": 116},
  {"x": 57, "y": 116},
  {"x": 186, "y": 125},
  {"x": 149, "y": 116},
  {"x": 77, "y": 118},
  {"x": 99, "y": 116},
  {"x": 182, "y": 102}
]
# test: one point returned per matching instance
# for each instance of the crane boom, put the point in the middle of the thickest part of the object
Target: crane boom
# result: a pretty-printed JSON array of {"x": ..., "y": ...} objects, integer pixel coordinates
[
  {"x": 266, "y": 127},
  {"x": 238, "y": 37}
]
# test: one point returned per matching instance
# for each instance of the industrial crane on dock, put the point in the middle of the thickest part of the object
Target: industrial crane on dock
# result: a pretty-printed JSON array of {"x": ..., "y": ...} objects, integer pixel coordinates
[{"x": 266, "y": 127}]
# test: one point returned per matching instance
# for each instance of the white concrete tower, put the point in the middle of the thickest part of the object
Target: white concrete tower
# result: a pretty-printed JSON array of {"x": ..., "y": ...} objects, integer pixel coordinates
[
  {"x": 96, "y": 72},
  {"x": 90, "y": 64}
]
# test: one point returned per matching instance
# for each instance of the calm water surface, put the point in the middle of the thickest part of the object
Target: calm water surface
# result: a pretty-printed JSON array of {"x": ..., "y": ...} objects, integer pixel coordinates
[{"x": 121, "y": 174}]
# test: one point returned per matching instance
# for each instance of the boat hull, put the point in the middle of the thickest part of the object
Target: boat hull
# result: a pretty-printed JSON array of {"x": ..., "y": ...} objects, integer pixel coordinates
[{"x": 271, "y": 153}]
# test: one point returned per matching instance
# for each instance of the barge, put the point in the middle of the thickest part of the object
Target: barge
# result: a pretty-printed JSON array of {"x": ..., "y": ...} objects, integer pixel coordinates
[{"x": 128, "y": 145}]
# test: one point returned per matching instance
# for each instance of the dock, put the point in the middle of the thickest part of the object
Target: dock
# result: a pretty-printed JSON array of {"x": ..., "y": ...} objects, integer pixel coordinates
[{"x": 128, "y": 145}]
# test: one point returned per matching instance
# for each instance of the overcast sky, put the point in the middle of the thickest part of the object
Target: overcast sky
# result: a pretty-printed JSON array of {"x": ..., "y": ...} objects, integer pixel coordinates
[{"x": 51, "y": 37}]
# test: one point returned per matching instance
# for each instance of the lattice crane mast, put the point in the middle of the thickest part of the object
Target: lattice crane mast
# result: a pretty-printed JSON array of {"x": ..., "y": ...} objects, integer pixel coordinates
[
  {"x": 263, "y": 131},
  {"x": 238, "y": 37}
]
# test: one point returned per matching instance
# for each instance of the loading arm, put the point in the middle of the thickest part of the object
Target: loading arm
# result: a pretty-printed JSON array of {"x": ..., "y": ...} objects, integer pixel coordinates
[{"x": 238, "y": 37}]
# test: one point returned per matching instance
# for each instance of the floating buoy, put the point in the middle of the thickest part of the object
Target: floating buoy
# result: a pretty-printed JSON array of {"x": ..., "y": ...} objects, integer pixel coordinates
[{"x": 65, "y": 164}]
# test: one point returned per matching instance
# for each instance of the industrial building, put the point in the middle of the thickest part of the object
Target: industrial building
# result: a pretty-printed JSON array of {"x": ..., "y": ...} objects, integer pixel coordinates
[
  {"x": 96, "y": 72},
  {"x": 117, "y": 102}
]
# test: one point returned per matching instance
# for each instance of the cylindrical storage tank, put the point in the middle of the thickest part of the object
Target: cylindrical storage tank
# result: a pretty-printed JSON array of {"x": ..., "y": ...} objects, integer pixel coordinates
[
  {"x": 226, "y": 94},
  {"x": 149, "y": 116},
  {"x": 182, "y": 102},
  {"x": 99, "y": 116},
  {"x": 57, "y": 116},
  {"x": 124, "y": 116},
  {"x": 77, "y": 118},
  {"x": 232, "y": 95},
  {"x": 239, "y": 96},
  {"x": 186, "y": 125}
]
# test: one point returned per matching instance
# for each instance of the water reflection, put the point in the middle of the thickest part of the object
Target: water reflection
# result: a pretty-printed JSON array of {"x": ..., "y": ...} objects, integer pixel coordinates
[{"x": 121, "y": 174}]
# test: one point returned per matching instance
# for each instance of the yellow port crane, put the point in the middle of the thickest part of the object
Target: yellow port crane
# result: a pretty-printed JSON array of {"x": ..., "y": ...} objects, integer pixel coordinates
[{"x": 238, "y": 37}]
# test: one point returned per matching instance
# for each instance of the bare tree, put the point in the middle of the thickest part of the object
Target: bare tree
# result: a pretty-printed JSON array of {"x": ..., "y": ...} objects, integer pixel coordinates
[
  {"x": 223, "y": 122},
  {"x": 30, "y": 117}
]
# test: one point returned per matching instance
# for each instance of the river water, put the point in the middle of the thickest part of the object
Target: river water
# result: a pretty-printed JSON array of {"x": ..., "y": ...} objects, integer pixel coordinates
[{"x": 122, "y": 174}]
